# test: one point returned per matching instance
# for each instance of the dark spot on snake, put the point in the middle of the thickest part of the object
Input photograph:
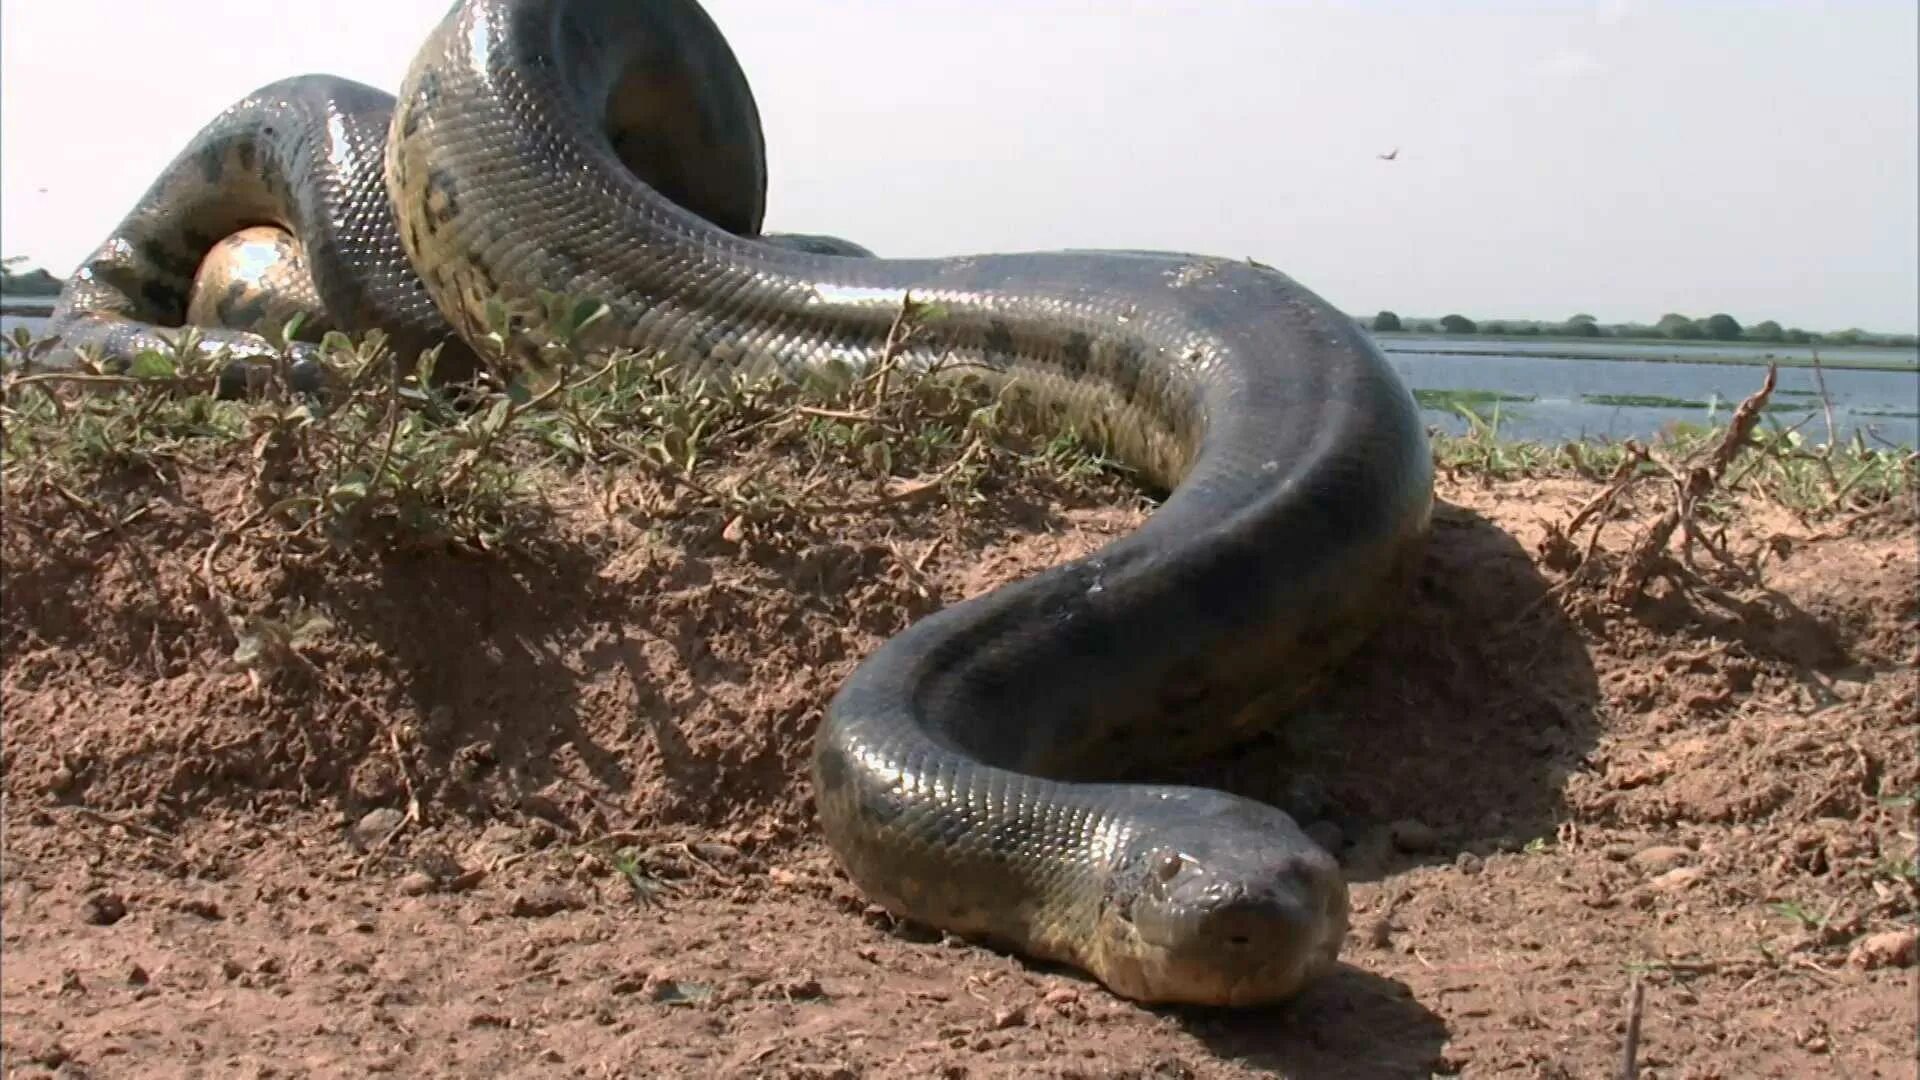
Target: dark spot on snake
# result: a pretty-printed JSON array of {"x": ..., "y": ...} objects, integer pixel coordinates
[
  {"x": 249, "y": 159},
  {"x": 162, "y": 296},
  {"x": 832, "y": 767},
  {"x": 442, "y": 201},
  {"x": 198, "y": 241},
  {"x": 483, "y": 274},
  {"x": 213, "y": 162},
  {"x": 164, "y": 257}
]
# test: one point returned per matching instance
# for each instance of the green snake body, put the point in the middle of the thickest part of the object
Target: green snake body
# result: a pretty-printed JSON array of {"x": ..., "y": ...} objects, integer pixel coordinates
[{"x": 965, "y": 774}]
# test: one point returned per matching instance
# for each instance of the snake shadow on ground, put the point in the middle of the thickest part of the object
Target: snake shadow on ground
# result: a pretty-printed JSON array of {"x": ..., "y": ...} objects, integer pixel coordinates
[{"x": 1465, "y": 713}]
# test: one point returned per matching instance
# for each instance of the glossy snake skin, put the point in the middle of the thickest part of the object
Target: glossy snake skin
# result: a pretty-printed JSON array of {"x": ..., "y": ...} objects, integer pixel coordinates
[{"x": 967, "y": 773}]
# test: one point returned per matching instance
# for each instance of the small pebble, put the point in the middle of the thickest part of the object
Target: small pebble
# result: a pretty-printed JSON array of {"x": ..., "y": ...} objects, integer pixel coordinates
[
  {"x": 1660, "y": 858},
  {"x": 376, "y": 826},
  {"x": 538, "y": 903},
  {"x": 201, "y": 906},
  {"x": 1889, "y": 948},
  {"x": 103, "y": 909},
  {"x": 1015, "y": 1016},
  {"x": 416, "y": 884},
  {"x": 1684, "y": 877}
]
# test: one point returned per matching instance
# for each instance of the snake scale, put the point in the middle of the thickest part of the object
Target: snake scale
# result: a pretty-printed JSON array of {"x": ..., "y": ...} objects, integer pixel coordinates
[{"x": 972, "y": 773}]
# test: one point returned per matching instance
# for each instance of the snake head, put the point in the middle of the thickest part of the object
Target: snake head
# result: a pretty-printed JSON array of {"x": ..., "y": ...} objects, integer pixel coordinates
[{"x": 1219, "y": 901}]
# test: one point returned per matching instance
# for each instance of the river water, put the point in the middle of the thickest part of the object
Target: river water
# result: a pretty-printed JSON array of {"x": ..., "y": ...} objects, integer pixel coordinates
[
  {"x": 1579, "y": 398},
  {"x": 1576, "y": 397}
]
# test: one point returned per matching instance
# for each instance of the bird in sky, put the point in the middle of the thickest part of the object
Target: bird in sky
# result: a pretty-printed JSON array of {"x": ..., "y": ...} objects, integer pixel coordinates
[{"x": 1390, "y": 155}]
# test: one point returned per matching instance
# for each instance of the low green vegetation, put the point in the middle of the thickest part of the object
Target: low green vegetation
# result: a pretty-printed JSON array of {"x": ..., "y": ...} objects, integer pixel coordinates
[
  {"x": 1661, "y": 401},
  {"x": 1451, "y": 400},
  {"x": 1642, "y": 401},
  {"x": 388, "y": 457},
  {"x": 1777, "y": 462}
]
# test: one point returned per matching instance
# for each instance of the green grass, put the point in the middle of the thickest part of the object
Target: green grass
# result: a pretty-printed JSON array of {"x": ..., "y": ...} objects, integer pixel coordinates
[
  {"x": 1778, "y": 464},
  {"x": 1659, "y": 401},
  {"x": 390, "y": 457},
  {"x": 1643, "y": 401},
  {"x": 1450, "y": 400}
]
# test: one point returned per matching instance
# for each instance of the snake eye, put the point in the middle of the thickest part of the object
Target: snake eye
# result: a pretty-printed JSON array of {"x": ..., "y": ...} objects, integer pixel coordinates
[{"x": 1167, "y": 865}]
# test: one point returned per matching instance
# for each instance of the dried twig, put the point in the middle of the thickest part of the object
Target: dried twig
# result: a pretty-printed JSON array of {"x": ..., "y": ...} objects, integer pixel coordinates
[
  {"x": 1630, "y": 1052},
  {"x": 1647, "y": 557}
]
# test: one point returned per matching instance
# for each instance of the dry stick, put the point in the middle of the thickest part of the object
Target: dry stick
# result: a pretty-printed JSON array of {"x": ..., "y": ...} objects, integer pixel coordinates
[
  {"x": 897, "y": 334},
  {"x": 1629, "y": 1054},
  {"x": 907, "y": 493},
  {"x": 1697, "y": 481},
  {"x": 1826, "y": 403},
  {"x": 123, "y": 822},
  {"x": 1622, "y": 479},
  {"x": 1741, "y": 426}
]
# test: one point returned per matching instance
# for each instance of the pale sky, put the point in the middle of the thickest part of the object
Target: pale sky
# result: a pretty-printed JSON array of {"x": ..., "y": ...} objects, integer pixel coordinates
[{"x": 1619, "y": 158}]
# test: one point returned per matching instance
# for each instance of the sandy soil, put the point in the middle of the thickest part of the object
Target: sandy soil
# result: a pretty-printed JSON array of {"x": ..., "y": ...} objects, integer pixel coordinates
[{"x": 544, "y": 813}]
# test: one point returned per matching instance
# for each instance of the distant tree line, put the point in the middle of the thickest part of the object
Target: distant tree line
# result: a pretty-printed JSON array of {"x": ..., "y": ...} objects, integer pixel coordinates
[
  {"x": 1672, "y": 326},
  {"x": 16, "y": 281}
]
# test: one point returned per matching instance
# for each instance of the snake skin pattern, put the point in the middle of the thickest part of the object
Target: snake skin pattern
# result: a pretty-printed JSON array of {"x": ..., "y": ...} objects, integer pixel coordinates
[{"x": 973, "y": 774}]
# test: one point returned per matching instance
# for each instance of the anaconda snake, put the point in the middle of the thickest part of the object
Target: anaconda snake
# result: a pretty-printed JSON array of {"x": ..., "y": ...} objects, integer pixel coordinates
[{"x": 964, "y": 774}]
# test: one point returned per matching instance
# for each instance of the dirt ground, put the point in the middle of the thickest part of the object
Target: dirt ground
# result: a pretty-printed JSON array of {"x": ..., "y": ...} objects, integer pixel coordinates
[{"x": 544, "y": 813}]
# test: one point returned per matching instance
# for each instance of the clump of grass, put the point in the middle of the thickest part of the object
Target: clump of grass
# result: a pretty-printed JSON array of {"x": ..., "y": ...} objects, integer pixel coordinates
[
  {"x": 1453, "y": 400},
  {"x": 1659, "y": 401},
  {"x": 387, "y": 456},
  {"x": 1776, "y": 464},
  {"x": 1642, "y": 401}
]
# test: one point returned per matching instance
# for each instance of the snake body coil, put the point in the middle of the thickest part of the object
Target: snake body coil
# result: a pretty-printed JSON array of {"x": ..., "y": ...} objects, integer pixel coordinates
[{"x": 964, "y": 774}]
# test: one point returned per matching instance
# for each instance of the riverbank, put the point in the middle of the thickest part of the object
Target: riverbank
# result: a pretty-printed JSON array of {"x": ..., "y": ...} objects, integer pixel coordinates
[
  {"x": 1654, "y": 350},
  {"x": 27, "y": 307},
  {"x": 480, "y": 748}
]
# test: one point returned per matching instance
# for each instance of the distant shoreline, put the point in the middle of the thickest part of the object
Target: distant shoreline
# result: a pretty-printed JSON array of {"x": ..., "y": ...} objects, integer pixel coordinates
[
  {"x": 28, "y": 305},
  {"x": 1833, "y": 357},
  {"x": 40, "y": 306}
]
